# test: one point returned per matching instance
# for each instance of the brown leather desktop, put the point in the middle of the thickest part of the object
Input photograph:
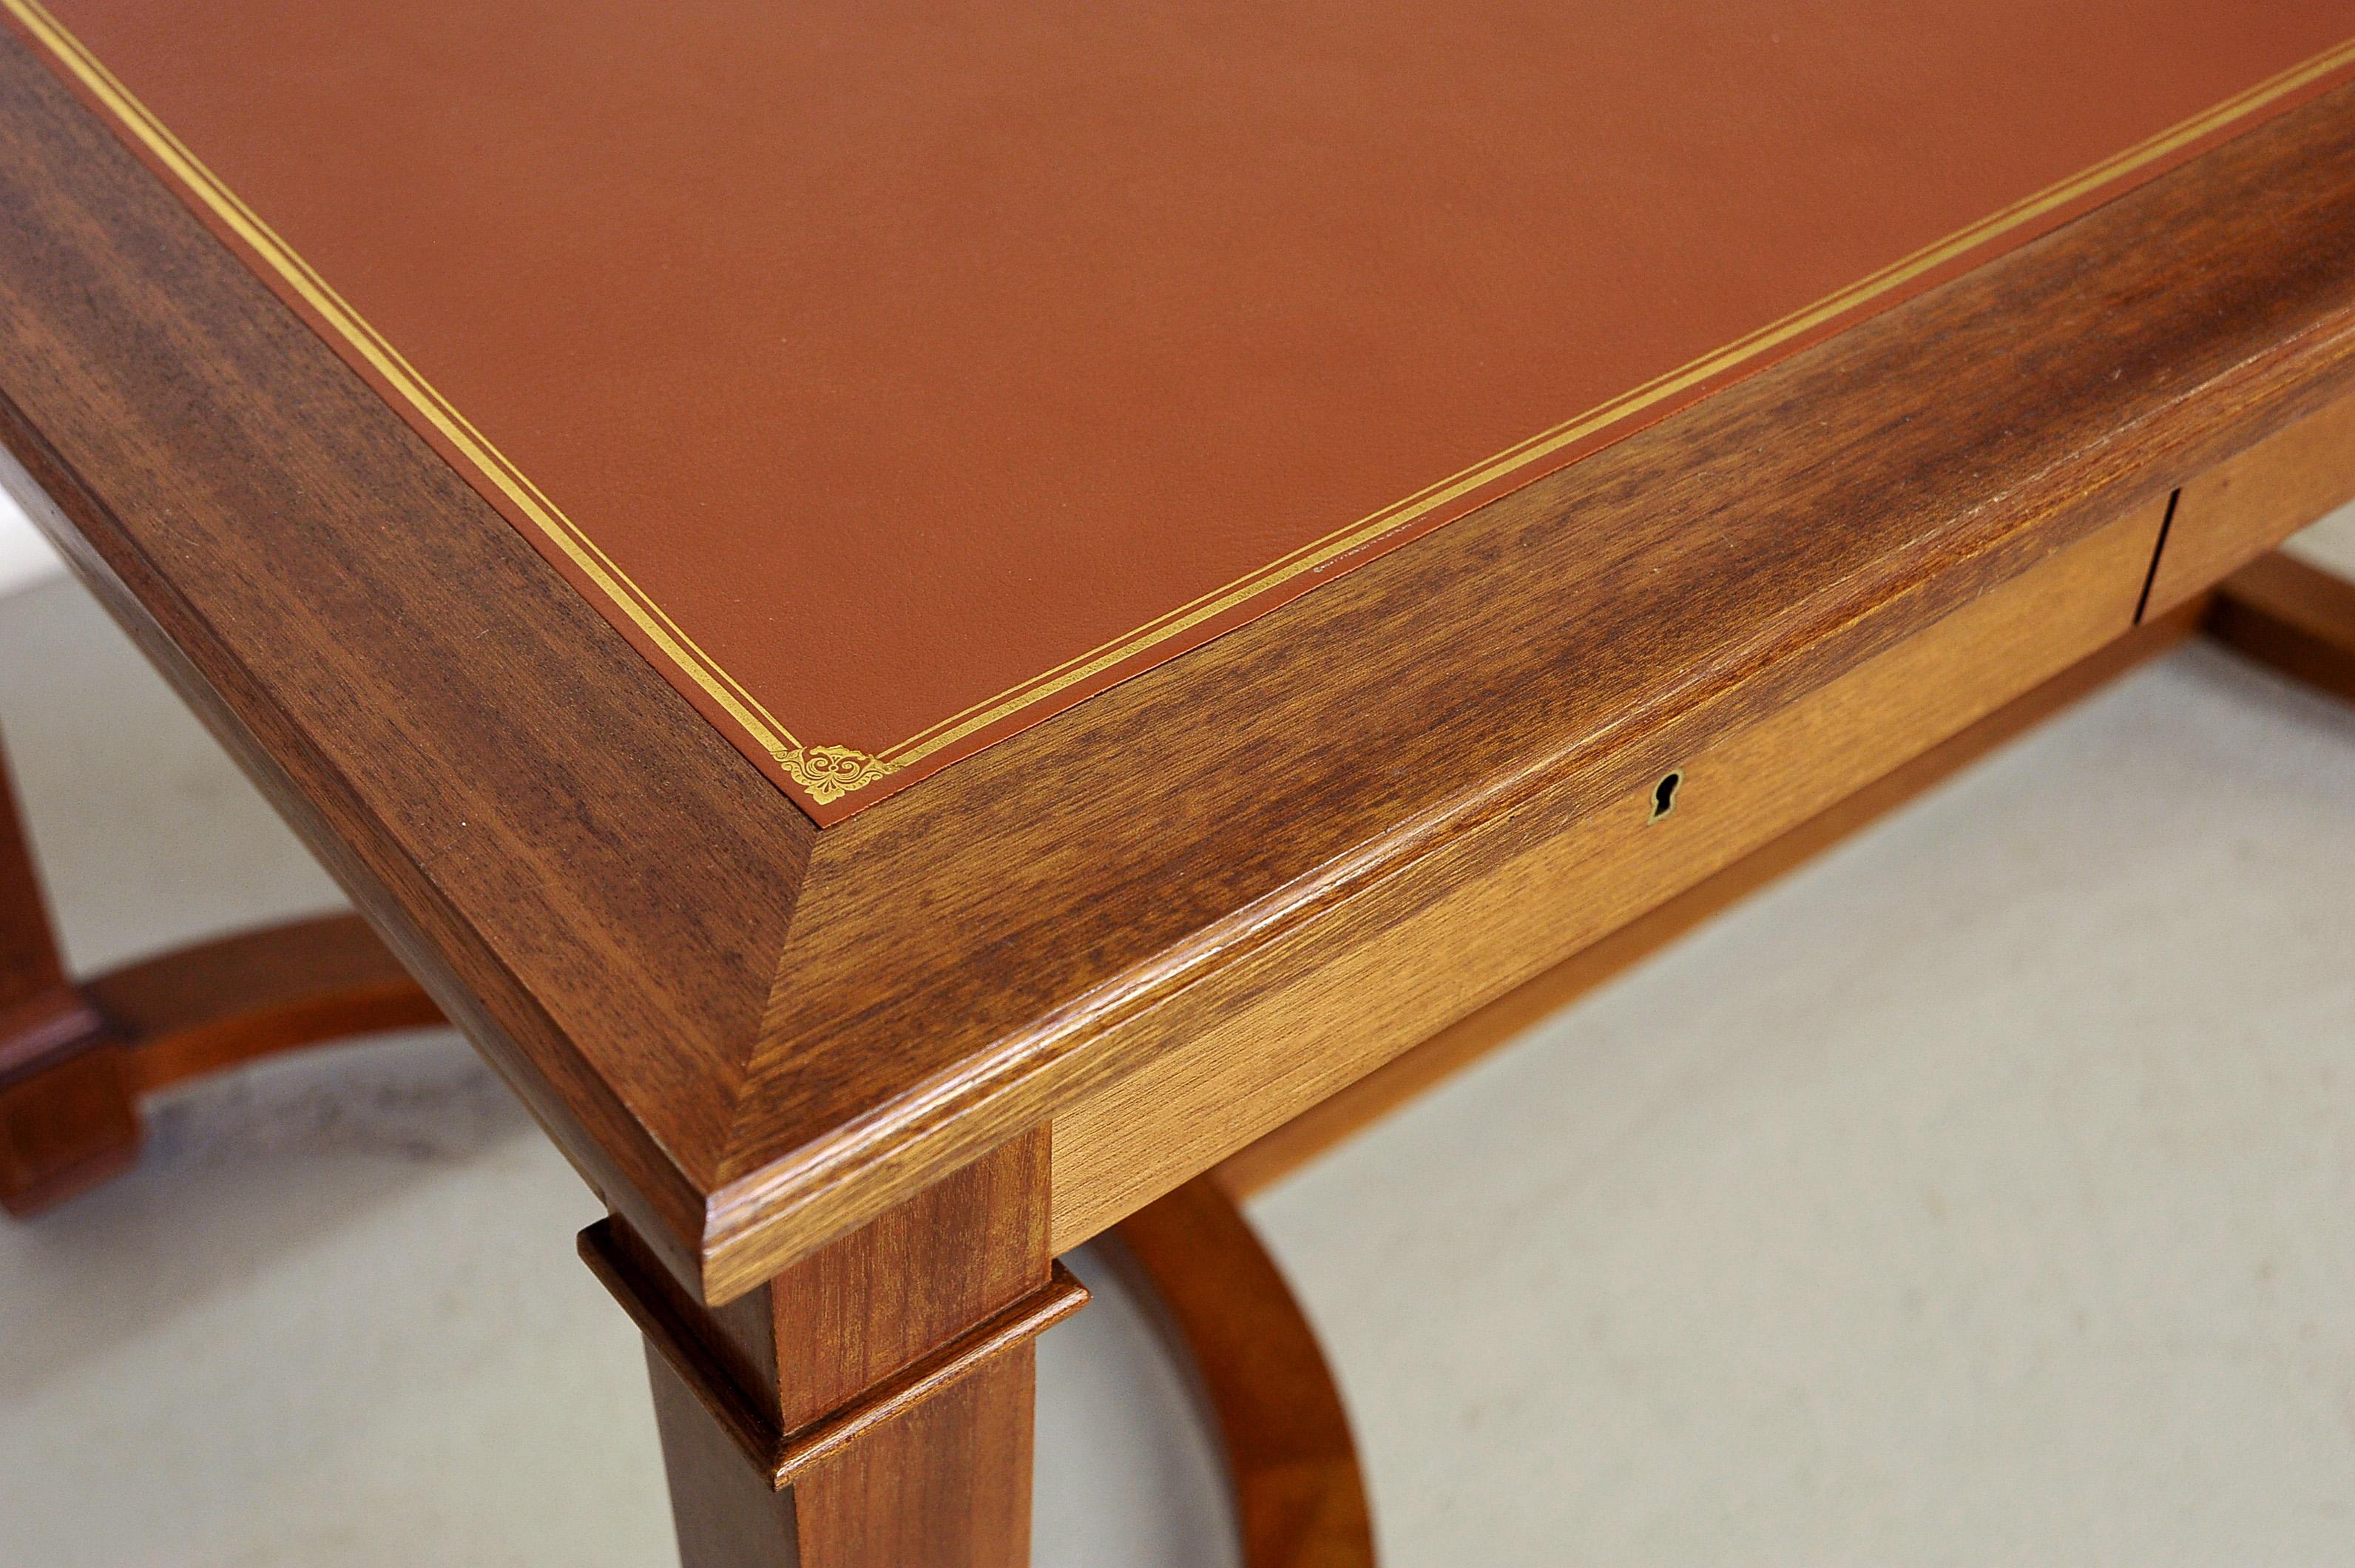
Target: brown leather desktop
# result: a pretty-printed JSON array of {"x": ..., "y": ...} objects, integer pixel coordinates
[
  {"x": 887, "y": 360},
  {"x": 897, "y": 376}
]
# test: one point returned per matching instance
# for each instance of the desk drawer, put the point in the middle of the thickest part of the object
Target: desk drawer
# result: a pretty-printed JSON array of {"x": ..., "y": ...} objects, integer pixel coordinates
[
  {"x": 2246, "y": 504},
  {"x": 1393, "y": 971}
]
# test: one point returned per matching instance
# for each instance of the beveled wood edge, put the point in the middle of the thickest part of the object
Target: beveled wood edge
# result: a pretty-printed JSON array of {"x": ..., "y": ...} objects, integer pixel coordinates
[
  {"x": 760, "y": 1223},
  {"x": 164, "y": 333},
  {"x": 782, "y": 1456},
  {"x": 780, "y": 1206},
  {"x": 2290, "y": 615},
  {"x": 763, "y": 1219},
  {"x": 649, "y": 1187},
  {"x": 775, "y": 1199}
]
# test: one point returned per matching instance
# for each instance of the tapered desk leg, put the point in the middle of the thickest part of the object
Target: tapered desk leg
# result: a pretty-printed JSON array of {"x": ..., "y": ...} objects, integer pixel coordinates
[
  {"x": 871, "y": 1406},
  {"x": 66, "y": 1116}
]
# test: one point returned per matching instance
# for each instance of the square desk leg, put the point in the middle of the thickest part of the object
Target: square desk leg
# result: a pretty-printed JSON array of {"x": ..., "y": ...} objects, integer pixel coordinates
[
  {"x": 67, "y": 1120},
  {"x": 869, "y": 1407}
]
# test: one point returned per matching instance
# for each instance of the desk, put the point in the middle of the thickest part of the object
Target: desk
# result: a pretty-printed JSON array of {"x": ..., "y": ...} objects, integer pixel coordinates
[{"x": 854, "y": 1038}]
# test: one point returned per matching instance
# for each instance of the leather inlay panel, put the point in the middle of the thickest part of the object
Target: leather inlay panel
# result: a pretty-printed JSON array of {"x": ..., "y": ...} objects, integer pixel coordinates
[{"x": 895, "y": 376}]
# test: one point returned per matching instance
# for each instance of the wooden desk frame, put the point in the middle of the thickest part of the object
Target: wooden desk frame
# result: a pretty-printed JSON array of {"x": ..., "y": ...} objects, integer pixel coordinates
[{"x": 848, "y": 1093}]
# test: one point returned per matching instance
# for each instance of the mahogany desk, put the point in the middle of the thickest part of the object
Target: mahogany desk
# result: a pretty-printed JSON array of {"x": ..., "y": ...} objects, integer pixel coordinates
[{"x": 850, "y": 1070}]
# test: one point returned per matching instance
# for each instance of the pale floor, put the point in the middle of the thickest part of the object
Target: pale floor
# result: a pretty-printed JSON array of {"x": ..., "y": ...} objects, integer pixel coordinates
[{"x": 1985, "y": 1192}]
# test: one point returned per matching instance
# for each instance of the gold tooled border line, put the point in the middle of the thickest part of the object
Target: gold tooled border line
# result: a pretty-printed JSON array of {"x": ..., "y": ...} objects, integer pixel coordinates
[{"x": 828, "y": 773}]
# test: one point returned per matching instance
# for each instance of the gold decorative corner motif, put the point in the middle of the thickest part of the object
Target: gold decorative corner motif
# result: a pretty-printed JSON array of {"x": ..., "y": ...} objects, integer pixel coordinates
[{"x": 829, "y": 773}]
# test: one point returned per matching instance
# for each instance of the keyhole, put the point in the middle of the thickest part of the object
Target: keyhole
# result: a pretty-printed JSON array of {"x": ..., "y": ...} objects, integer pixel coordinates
[{"x": 1664, "y": 795}]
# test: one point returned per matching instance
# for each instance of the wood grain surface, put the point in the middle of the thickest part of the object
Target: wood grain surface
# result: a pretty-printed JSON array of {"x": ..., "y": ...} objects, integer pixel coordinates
[
  {"x": 200, "y": 1008},
  {"x": 1227, "y": 1314},
  {"x": 583, "y": 872},
  {"x": 798, "y": 1426},
  {"x": 753, "y": 1037},
  {"x": 1392, "y": 973},
  {"x": 1275, "y": 1155},
  {"x": 2244, "y": 507}
]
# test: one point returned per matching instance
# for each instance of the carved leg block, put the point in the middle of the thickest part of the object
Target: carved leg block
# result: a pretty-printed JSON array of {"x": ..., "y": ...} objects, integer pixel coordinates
[
  {"x": 871, "y": 1406},
  {"x": 65, "y": 1128}
]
